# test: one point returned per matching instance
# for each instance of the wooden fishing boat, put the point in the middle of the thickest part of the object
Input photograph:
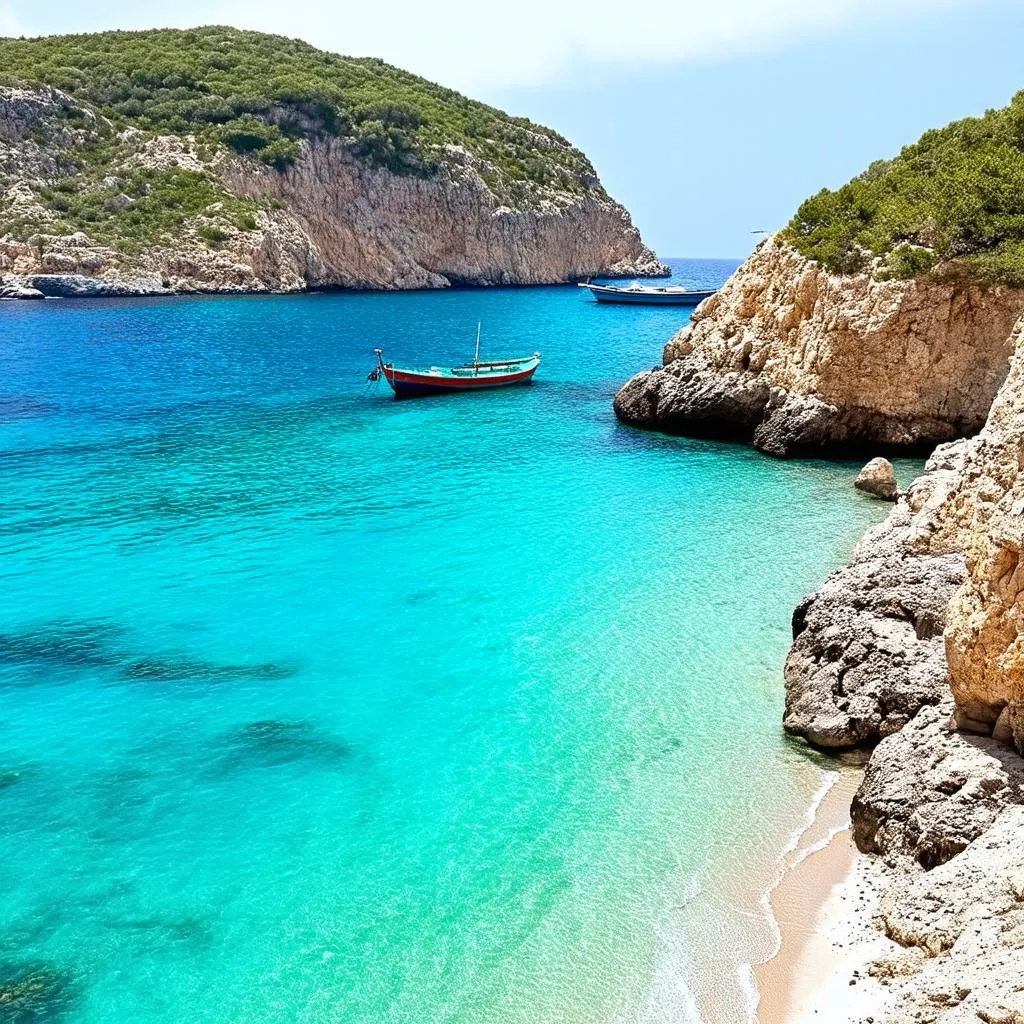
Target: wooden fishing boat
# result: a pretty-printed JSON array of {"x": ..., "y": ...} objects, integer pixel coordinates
[
  {"x": 638, "y": 294},
  {"x": 475, "y": 376}
]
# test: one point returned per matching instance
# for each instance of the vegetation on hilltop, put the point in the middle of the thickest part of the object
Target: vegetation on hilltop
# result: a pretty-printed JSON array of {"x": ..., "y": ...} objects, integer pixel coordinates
[
  {"x": 953, "y": 202},
  {"x": 221, "y": 90},
  {"x": 260, "y": 94}
]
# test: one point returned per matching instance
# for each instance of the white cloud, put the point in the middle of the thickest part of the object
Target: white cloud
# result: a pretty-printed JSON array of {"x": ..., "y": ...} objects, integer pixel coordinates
[{"x": 473, "y": 46}]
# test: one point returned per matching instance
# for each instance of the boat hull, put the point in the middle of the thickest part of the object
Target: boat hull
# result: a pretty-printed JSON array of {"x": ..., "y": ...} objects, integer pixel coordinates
[
  {"x": 408, "y": 384},
  {"x": 651, "y": 298}
]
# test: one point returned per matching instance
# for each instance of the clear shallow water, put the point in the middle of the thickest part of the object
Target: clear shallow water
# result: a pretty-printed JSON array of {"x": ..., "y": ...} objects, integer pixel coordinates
[{"x": 315, "y": 706}]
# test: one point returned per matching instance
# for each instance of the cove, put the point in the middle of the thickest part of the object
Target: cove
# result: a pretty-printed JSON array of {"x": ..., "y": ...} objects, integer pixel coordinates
[{"x": 320, "y": 706}]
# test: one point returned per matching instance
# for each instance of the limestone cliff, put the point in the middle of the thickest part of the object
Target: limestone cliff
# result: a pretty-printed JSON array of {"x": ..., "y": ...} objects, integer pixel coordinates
[
  {"x": 800, "y": 360},
  {"x": 985, "y": 636},
  {"x": 372, "y": 228},
  {"x": 910, "y": 657},
  {"x": 159, "y": 213}
]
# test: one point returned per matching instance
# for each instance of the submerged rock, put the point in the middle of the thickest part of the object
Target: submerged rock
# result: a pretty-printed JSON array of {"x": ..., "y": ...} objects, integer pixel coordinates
[
  {"x": 274, "y": 742},
  {"x": 62, "y": 644},
  {"x": 71, "y": 645},
  {"x": 34, "y": 993},
  {"x": 878, "y": 478},
  {"x": 181, "y": 669}
]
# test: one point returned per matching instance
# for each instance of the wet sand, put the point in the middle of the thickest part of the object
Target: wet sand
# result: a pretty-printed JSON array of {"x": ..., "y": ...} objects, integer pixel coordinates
[{"x": 823, "y": 909}]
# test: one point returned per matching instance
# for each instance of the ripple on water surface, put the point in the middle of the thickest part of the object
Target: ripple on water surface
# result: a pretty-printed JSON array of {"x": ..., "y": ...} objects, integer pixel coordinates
[{"x": 322, "y": 707}]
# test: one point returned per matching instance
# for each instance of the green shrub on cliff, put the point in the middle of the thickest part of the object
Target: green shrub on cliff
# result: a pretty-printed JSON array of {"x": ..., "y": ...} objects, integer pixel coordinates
[
  {"x": 249, "y": 134},
  {"x": 953, "y": 200},
  {"x": 148, "y": 207},
  {"x": 260, "y": 94}
]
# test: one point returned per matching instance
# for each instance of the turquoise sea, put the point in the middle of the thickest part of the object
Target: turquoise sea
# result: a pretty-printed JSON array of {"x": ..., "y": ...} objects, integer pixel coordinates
[{"x": 319, "y": 707}]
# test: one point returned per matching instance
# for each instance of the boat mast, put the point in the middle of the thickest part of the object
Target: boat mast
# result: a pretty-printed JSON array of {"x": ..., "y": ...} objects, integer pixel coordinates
[{"x": 476, "y": 358}]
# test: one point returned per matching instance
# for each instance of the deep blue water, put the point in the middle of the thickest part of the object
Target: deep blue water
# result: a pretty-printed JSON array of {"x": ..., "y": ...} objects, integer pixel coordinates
[{"x": 315, "y": 706}]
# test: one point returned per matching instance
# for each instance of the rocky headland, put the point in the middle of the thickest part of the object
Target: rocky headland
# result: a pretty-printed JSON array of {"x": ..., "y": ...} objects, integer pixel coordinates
[
  {"x": 204, "y": 174},
  {"x": 800, "y": 360}
]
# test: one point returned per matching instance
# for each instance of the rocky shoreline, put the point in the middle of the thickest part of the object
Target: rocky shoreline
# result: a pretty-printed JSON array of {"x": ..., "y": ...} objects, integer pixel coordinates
[
  {"x": 916, "y": 646},
  {"x": 911, "y": 657},
  {"x": 868, "y": 650}
]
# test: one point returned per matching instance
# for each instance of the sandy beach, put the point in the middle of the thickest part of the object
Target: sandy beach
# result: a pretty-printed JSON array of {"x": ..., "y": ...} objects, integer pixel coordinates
[{"x": 823, "y": 906}]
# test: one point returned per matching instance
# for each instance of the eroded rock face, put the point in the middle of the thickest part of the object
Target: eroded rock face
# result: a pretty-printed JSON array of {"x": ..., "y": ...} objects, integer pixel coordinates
[
  {"x": 17, "y": 290},
  {"x": 372, "y": 228},
  {"x": 942, "y": 806},
  {"x": 867, "y": 652},
  {"x": 75, "y": 286},
  {"x": 929, "y": 790},
  {"x": 967, "y": 919},
  {"x": 932, "y": 600},
  {"x": 800, "y": 361},
  {"x": 868, "y": 646},
  {"x": 330, "y": 220},
  {"x": 990, "y": 872}
]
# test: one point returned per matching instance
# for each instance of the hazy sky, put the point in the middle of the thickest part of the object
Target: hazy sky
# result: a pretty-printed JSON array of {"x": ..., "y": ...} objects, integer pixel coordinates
[{"x": 707, "y": 118}]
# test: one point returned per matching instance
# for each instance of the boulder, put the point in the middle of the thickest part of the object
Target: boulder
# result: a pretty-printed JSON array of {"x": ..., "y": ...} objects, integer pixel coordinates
[
  {"x": 118, "y": 202},
  {"x": 878, "y": 478},
  {"x": 868, "y": 650},
  {"x": 867, "y": 653},
  {"x": 693, "y": 394},
  {"x": 930, "y": 791}
]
